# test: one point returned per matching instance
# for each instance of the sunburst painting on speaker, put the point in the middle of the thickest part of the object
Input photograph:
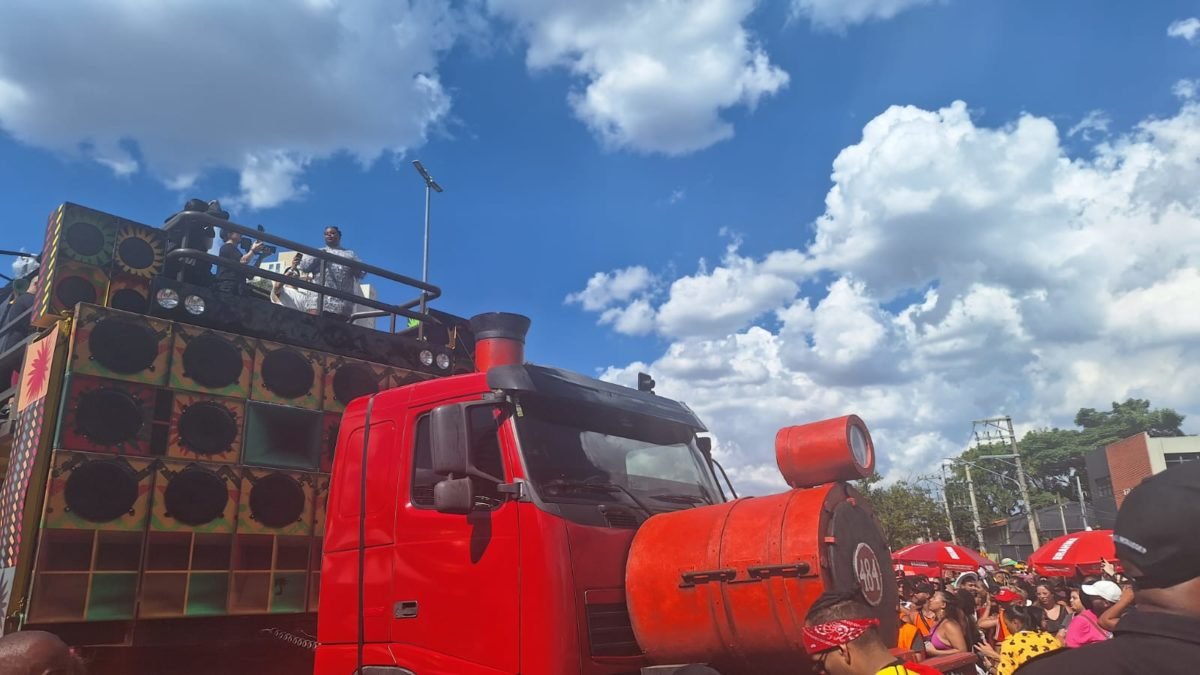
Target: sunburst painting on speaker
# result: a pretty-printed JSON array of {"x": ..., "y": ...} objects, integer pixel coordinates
[
  {"x": 120, "y": 345},
  {"x": 108, "y": 416},
  {"x": 206, "y": 428},
  {"x": 275, "y": 502},
  {"x": 211, "y": 361},
  {"x": 347, "y": 379},
  {"x": 98, "y": 492},
  {"x": 128, "y": 294},
  {"x": 286, "y": 375},
  {"x": 139, "y": 250},
  {"x": 195, "y": 497}
]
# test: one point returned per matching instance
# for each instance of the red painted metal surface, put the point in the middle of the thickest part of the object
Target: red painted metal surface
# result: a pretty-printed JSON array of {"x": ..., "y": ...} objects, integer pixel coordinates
[
  {"x": 819, "y": 453},
  {"x": 498, "y": 352},
  {"x": 730, "y": 584}
]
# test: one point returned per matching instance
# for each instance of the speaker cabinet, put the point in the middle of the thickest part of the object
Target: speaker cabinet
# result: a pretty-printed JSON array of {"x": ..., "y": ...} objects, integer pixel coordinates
[
  {"x": 98, "y": 492},
  {"x": 329, "y": 439},
  {"x": 120, "y": 346},
  {"x": 128, "y": 294},
  {"x": 85, "y": 575},
  {"x": 64, "y": 284},
  {"x": 139, "y": 251},
  {"x": 187, "y": 574},
  {"x": 275, "y": 502},
  {"x": 282, "y": 437},
  {"x": 398, "y": 377},
  {"x": 107, "y": 416},
  {"x": 270, "y": 574},
  {"x": 321, "y": 496},
  {"x": 347, "y": 379},
  {"x": 212, "y": 362},
  {"x": 206, "y": 428},
  {"x": 286, "y": 375},
  {"x": 195, "y": 497}
]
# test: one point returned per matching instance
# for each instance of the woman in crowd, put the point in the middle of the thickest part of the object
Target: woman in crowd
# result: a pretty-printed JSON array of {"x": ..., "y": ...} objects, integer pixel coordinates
[
  {"x": 1055, "y": 616},
  {"x": 1026, "y": 640},
  {"x": 1085, "y": 628},
  {"x": 949, "y": 634}
]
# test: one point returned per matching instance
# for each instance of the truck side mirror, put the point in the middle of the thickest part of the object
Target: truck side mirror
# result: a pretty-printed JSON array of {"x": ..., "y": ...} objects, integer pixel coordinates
[
  {"x": 449, "y": 440},
  {"x": 704, "y": 443},
  {"x": 454, "y": 495}
]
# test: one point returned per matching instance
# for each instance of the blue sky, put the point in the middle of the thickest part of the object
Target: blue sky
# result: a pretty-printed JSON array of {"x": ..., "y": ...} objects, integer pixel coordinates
[{"x": 561, "y": 164}]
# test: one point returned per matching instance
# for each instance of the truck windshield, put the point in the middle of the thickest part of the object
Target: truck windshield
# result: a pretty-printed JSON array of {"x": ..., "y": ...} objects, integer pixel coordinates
[{"x": 577, "y": 453}]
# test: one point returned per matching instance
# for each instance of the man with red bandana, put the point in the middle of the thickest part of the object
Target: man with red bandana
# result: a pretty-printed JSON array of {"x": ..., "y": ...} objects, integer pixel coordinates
[{"x": 842, "y": 637}]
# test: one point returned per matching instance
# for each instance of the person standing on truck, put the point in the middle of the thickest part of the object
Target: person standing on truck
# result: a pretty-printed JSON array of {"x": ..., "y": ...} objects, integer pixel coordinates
[
  {"x": 841, "y": 636},
  {"x": 338, "y": 277},
  {"x": 230, "y": 280}
]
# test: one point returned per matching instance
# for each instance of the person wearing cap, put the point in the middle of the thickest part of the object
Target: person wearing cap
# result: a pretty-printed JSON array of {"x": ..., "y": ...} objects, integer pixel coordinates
[
  {"x": 841, "y": 636},
  {"x": 1155, "y": 537}
]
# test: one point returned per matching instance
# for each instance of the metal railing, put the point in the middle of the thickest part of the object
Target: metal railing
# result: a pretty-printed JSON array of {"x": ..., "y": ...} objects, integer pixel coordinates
[{"x": 189, "y": 222}]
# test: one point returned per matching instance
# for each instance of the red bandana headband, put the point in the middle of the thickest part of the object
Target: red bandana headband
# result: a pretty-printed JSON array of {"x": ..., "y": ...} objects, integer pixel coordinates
[{"x": 824, "y": 636}]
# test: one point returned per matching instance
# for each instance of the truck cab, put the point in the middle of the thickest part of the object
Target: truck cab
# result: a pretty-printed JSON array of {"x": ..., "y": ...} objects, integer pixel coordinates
[{"x": 481, "y": 523}]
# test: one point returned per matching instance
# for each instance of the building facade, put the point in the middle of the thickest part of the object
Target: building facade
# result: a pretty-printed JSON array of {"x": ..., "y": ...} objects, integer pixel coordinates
[{"x": 1117, "y": 468}]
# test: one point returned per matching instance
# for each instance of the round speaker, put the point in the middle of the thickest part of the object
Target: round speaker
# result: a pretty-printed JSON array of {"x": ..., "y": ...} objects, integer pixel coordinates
[
  {"x": 100, "y": 491},
  {"x": 353, "y": 380},
  {"x": 135, "y": 254},
  {"x": 287, "y": 373},
  {"x": 70, "y": 291},
  {"x": 123, "y": 345},
  {"x": 128, "y": 300},
  {"x": 211, "y": 361},
  {"x": 196, "y": 496},
  {"x": 108, "y": 416},
  {"x": 84, "y": 239},
  {"x": 208, "y": 428},
  {"x": 277, "y": 500}
]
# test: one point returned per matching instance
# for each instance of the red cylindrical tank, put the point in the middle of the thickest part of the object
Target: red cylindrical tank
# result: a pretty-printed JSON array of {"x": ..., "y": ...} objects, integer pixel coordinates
[
  {"x": 499, "y": 339},
  {"x": 825, "y": 451},
  {"x": 729, "y": 585}
]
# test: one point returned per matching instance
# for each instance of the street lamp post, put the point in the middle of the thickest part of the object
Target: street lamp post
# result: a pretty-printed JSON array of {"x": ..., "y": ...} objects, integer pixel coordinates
[{"x": 431, "y": 186}]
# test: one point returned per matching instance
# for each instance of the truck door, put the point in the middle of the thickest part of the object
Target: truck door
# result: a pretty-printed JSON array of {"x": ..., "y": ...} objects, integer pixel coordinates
[{"x": 456, "y": 576}]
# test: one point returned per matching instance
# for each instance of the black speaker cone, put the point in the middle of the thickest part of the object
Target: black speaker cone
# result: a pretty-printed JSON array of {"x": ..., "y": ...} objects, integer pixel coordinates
[
  {"x": 208, "y": 428},
  {"x": 287, "y": 373},
  {"x": 85, "y": 239},
  {"x": 100, "y": 491},
  {"x": 107, "y": 416},
  {"x": 123, "y": 345},
  {"x": 128, "y": 300},
  {"x": 196, "y": 496},
  {"x": 277, "y": 500},
  {"x": 353, "y": 380},
  {"x": 135, "y": 254},
  {"x": 211, "y": 361},
  {"x": 70, "y": 291}
]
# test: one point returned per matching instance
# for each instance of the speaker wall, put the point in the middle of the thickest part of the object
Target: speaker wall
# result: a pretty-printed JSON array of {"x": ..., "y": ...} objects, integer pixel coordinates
[
  {"x": 402, "y": 376},
  {"x": 322, "y": 506},
  {"x": 270, "y": 574},
  {"x": 329, "y": 439},
  {"x": 120, "y": 345},
  {"x": 212, "y": 362},
  {"x": 186, "y": 574},
  {"x": 286, "y": 375},
  {"x": 64, "y": 284},
  {"x": 206, "y": 428},
  {"x": 347, "y": 379},
  {"x": 195, "y": 497},
  {"x": 275, "y": 502},
  {"x": 129, "y": 294},
  {"x": 98, "y": 492},
  {"x": 139, "y": 250},
  {"x": 282, "y": 437},
  {"x": 85, "y": 575},
  {"x": 108, "y": 416}
]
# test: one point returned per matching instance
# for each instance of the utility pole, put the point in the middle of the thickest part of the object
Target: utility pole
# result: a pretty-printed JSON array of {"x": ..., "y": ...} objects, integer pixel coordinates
[
  {"x": 1000, "y": 429},
  {"x": 974, "y": 507},
  {"x": 1062, "y": 515},
  {"x": 431, "y": 186},
  {"x": 946, "y": 503},
  {"x": 1082, "y": 504}
]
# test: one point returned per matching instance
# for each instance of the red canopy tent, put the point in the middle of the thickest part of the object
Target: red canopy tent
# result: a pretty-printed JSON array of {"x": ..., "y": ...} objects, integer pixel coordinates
[
  {"x": 937, "y": 557},
  {"x": 1072, "y": 554}
]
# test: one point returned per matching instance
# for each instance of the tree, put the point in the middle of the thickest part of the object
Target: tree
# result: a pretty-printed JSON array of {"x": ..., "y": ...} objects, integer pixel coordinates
[{"x": 906, "y": 509}]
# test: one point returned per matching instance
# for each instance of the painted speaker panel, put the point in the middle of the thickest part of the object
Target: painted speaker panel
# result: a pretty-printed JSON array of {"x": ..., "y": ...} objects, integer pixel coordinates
[
  {"x": 101, "y": 415},
  {"x": 206, "y": 428},
  {"x": 276, "y": 502},
  {"x": 286, "y": 375},
  {"x": 98, "y": 492},
  {"x": 210, "y": 361},
  {"x": 346, "y": 379},
  {"x": 282, "y": 437},
  {"x": 120, "y": 346},
  {"x": 195, "y": 497}
]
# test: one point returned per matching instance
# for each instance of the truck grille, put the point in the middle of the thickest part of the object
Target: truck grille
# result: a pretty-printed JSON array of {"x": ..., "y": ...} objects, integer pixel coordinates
[
  {"x": 619, "y": 517},
  {"x": 610, "y": 632}
]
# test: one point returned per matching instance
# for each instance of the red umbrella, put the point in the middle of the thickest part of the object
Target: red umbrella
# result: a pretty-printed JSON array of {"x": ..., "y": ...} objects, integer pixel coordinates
[
  {"x": 939, "y": 556},
  {"x": 1070, "y": 554}
]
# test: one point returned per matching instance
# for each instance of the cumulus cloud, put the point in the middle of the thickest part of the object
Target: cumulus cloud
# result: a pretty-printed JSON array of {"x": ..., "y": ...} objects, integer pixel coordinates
[
  {"x": 973, "y": 271},
  {"x": 837, "y": 14},
  {"x": 1094, "y": 123},
  {"x": 656, "y": 76},
  {"x": 1186, "y": 29},
  {"x": 183, "y": 87},
  {"x": 606, "y": 288}
]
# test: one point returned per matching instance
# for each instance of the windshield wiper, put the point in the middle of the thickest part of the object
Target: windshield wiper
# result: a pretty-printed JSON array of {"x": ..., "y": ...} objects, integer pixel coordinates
[
  {"x": 599, "y": 487},
  {"x": 681, "y": 499}
]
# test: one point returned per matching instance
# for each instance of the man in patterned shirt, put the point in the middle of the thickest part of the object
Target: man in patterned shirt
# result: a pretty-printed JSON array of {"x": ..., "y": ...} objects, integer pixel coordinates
[{"x": 340, "y": 277}]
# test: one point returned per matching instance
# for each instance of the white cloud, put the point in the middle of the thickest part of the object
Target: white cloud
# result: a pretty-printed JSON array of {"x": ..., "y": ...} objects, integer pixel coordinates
[
  {"x": 837, "y": 14},
  {"x": 972, "y": 271},
  {"x": 657, "y": 74},
  {"x": 606, "y": 288},
  {"x": 1096, "y": 122},
  {"x": 677, "y": 196},
  {"x": 183, "y": 87},
  {"x": 1186, "y": 89},
  {"x": 1187, "y": 29},
  {"x": 635, "y": 319}
]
